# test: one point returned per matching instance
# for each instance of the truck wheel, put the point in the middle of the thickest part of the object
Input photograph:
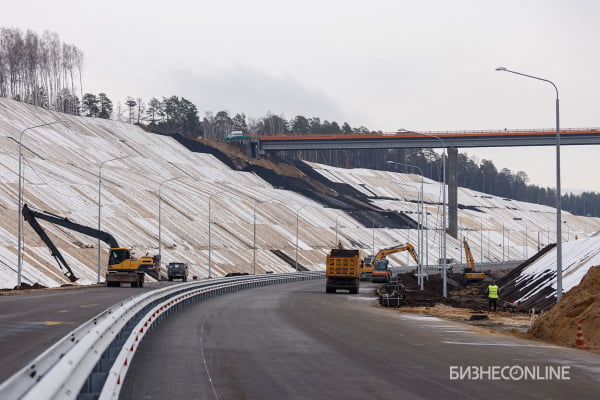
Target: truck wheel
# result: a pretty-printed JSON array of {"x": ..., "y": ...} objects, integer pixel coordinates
[
  {"x": 329, "y": 290},
  {"x": 170, "y": 279}
]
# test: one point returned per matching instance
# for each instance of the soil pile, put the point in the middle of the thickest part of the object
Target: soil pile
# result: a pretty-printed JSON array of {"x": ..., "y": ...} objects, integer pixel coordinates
[
  {"x": 471, "y": 296},
  {"x": 582, "y": 302}
]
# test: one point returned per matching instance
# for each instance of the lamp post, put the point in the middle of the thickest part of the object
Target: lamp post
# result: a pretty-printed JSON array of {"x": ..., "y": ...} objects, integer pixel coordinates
[
  {"x": 481, "y": 240},
  {"x": 503, "y": 242},
  {"x": 209, "y": 233},
  {"x": 423, "y": 222},
  {"x": 336, "y": 227},
  {"x": 419, "y": 236},
  {"x": 100, "y": 204},
  {"x": 254, "y": 233},
  {"x": 297, "y": 232},
  {"x": 20, "y": 205},
  {"x": 159, "y": 221},
  {"x": 443, "y": 243},
  {"x": 558, "y": 191}
]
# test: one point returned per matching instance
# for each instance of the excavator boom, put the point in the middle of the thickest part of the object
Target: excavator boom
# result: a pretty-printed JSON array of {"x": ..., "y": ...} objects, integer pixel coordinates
[
  {"x": 402, "y": 247},
  {"x": 381, "y": 273},
  {"x": 469, "y": 273},
  {"x": 32, "y": 216}
]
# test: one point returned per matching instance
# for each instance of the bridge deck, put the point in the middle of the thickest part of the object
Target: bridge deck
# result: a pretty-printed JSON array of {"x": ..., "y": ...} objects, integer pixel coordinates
[{"x": 482, "y": 138}]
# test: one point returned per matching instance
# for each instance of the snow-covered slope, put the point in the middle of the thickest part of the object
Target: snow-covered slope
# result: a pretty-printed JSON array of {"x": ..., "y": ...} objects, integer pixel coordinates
[{"x": 61, "y": 168}]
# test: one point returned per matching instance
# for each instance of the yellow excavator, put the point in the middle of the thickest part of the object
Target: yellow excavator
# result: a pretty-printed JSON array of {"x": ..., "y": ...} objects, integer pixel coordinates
[
  {"x": 122, "y": 268},
  {"x": 469, "y": 273},
  {"x": 381, "y": 272}
]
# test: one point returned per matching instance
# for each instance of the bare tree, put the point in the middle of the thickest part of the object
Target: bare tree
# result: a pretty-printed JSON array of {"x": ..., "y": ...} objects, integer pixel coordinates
[
  {"x": 130, "y": 102},
  {"x": 39, "y": 70},
  {"x": 140, "y": 109}
]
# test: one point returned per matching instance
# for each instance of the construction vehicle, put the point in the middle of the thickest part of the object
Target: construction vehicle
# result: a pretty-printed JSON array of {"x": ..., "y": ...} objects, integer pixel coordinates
[
  {"x": 121, "y": 267},
  {"x": 343, "y": 270},
  {"x": 381, "y": 271},
  {"x": 366, "y": 267},
  {"x": 469, "y": 273},
  {"x": 177, "y": 270}
]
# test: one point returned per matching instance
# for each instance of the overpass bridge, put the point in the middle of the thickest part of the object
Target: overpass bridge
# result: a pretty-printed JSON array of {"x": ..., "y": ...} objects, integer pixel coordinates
[
  {"x": 407, "y": 139},
  {"x": 451, "y": 140}
]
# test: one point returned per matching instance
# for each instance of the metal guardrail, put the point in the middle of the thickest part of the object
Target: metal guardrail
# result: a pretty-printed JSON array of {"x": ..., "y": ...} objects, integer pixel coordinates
[
  {"x": 437, "y": 268},
  {"x": 91, "y": 361}
]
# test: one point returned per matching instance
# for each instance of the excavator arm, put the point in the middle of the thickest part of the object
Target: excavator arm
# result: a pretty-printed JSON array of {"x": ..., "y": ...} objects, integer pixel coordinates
[
  {"x": 32, "y": 216},
  {"x": 396, "y": 249},
  {"x": 469, "y": 256}
]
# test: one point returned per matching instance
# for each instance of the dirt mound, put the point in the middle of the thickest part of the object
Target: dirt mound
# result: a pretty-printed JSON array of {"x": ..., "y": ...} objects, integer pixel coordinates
[
  {"x": 471, "y": 296},
  {"x": 582, "y": 302},
  {"x": 25, "y": 286}
]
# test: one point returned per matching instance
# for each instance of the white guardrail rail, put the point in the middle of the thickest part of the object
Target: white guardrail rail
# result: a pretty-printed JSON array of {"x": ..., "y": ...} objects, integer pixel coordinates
[
  {"x": 435, "y": 269},
  {"x": 91, "y": 362}
]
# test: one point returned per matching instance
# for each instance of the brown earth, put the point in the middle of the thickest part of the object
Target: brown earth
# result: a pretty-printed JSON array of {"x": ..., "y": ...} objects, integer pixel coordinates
[
  {"x": 581, "y": 303},
  {"x": 465, "y": 303},
  {"x": 507, "y": 321},
  {"x": 470, "y": 296}
]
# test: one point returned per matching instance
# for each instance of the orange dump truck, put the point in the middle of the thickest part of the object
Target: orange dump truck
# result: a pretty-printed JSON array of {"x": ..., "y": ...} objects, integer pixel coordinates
[{"x": 343, "y": 270}]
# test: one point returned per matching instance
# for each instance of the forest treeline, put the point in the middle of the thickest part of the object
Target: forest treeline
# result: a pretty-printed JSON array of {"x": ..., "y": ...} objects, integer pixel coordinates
[
  {"x": 43, "y": 71},
  {"x": 40, "y": 70}
]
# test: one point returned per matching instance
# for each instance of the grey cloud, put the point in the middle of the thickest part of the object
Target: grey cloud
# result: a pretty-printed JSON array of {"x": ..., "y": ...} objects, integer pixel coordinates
[{"x": 243, "y": 89}]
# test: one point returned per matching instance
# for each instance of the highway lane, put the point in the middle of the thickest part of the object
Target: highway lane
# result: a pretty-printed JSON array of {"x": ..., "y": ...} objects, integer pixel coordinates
[
  {"x": 296, "y": 342},
  {"x": 32, "y": 321}
]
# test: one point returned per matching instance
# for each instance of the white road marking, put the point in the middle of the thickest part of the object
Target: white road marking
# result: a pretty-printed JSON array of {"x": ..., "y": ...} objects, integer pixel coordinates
[{"x": 500, "y": 344}]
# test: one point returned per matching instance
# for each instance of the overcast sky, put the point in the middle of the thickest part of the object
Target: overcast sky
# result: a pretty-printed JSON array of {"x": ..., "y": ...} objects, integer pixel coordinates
[{"x": 425, "y": 65}]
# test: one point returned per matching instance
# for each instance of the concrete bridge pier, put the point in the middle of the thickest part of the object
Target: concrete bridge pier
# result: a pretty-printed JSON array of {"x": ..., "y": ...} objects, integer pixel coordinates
[{"x": 452, "y": 179}]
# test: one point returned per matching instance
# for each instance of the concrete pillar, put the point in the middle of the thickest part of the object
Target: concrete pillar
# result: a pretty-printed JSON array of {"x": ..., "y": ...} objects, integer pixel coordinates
[{"x": 452, "y": 192}]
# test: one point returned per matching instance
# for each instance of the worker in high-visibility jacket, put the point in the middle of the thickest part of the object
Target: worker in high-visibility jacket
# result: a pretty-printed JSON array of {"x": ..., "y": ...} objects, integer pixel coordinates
[{"x": 493, "y": 292}]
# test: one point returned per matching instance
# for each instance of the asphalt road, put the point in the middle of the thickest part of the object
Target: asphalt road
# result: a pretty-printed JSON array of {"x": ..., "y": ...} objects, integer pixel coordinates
[
  {"x": 33, "y": 320},
  {"x": 296, "y": 342}
]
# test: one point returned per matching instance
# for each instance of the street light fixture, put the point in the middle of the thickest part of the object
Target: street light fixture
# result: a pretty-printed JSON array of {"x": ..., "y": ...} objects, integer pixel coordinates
[
  {"x": 419, "y": 235},
  {"x": 443, "y": 243},
  {"x": 159, "y": 221},
  {"x": 254, "y": 232},
  {"x": 100, "y": 204},
  {"x": 209, "y": 230},
  {"x": 558, "y": 190},
  {"x": 297, "y": 231},
  {"x": 20, "y": 206},
  {"x": 422, "y": 222},
  {"x": 336, "y": 226}
]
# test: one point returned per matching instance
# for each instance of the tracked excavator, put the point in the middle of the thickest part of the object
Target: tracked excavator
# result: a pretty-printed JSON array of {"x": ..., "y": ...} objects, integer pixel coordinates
[
  {"x": 381, "y": 271},
  {"x": 469, "y": 273},
  {"x": 121, "y": 267}
]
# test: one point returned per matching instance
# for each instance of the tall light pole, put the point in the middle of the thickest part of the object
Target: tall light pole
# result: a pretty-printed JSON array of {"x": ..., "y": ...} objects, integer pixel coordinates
[
  {"x": 159, "y": 221},
  {"x": 20, "y": 205},
  {"x": 481, "y": 240},
  {"x": 336, "y": 226},
  {"x": 419, "y": 237},
  {"x": 558, "y": 190},
  {"x": 209, "y": 231},
  {"x": 254, "y": 233},
  {"x": 298, "y": 232},
  {"x": 443, "y": 243},
  {"x": 421, "y": 222},
  {"x": 100, "y": 204}
]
